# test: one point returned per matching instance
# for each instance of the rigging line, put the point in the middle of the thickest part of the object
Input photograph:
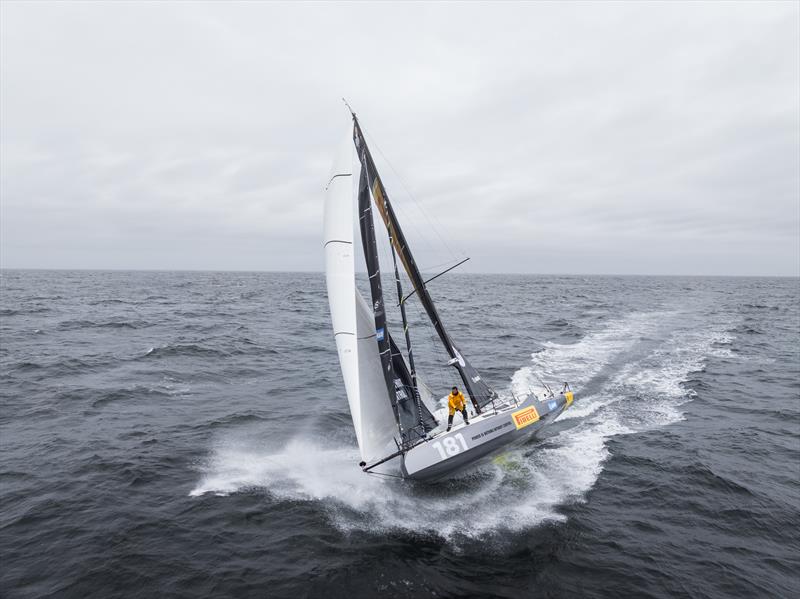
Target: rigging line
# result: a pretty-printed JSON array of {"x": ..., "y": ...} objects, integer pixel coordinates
[
  {"x": 473, "y": 384},
  {"x": 430, "y": 267},
  {"x": 420, "y": 234},
  {"x": 432, "y": 278},
  {"x": 435, "y": 225},
  {"x": 438, "y": 371},
  {"x": 407, "y": 335},
  {"x": 412, "y": 223},
  {"x": 409, "y": 350}
]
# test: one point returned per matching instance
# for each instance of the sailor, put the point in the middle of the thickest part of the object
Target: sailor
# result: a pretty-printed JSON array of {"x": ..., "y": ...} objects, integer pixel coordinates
[{"x": 455, "y": 401}]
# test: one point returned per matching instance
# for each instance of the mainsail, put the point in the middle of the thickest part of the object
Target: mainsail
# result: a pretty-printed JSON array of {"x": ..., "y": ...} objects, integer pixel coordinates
[{"x": 479, "y": 392}]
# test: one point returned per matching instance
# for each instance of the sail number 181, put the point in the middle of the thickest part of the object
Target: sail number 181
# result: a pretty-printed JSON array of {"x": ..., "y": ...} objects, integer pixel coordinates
[{"x": 451, "y": 446}]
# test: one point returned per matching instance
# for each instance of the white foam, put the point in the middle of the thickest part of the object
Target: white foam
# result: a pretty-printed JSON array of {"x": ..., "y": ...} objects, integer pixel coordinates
[
  {"x": 579, "y": 362},
  {"x": 655, "y": 384},
  {"x": 521, "y": 488},
  {"x": 585, "y": 407},
  {"x": 466, "y": 506}
]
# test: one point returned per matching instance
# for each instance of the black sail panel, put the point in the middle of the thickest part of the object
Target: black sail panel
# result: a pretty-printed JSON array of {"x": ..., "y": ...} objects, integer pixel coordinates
[
  {"x": 415, "y": 417},
  {"x": 479, "y": 392}
]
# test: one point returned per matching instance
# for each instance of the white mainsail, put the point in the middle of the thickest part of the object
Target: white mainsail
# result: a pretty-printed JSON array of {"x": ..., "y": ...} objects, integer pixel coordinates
[{"x": 352, "y": 318}]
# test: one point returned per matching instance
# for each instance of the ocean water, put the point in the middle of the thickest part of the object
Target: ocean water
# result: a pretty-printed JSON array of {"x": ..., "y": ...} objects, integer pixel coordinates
[{"x": 184, "y": 434}]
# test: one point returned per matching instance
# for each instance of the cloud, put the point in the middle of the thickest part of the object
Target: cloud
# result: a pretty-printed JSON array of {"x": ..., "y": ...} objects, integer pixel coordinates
[{"x": 608, "y": 138}]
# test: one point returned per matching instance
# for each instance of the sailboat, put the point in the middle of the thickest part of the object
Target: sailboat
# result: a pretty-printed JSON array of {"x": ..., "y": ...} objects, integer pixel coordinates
[{"x": 391, "y": 406}]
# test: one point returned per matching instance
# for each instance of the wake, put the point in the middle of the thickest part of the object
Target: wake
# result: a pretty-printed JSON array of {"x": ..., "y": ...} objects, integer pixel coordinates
[{"x": 629, "y": 377}]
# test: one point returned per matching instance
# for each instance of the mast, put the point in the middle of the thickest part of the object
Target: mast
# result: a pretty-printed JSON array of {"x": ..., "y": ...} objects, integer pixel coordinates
[
  {"x": 479, "y": 392},
  {"x": 413, "y": 419}
]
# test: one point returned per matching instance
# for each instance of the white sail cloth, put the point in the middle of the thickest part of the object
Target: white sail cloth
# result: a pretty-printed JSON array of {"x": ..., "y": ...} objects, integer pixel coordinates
[{"x": 352, "y": 318}]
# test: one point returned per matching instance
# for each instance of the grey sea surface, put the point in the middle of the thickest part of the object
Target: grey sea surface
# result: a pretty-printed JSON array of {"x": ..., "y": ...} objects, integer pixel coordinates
[{"x": 186, "y": 434}]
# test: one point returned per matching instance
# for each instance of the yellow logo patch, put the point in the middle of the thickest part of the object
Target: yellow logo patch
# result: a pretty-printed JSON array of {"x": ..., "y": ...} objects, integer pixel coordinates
[
  {"x": 525, "y": 417},
  {"x": 568, "y": 397}
]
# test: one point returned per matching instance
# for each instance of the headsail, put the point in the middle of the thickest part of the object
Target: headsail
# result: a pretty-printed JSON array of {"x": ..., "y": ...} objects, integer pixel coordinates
[
  {"x": 479, "y": 392},
  {"x": 352, "y": 319}
]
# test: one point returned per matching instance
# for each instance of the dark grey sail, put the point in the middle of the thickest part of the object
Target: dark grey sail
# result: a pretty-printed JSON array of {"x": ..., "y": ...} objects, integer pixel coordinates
[
  {"x": 479, "y": 392},
  {"x": 413, "y": 418}
]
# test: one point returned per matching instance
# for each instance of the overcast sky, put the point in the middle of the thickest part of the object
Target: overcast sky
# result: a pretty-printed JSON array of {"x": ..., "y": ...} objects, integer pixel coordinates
[{"x": 654, "y": 138}]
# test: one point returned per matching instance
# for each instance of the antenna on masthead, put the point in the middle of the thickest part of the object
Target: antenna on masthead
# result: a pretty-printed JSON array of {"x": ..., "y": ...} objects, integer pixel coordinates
[{"x": 348, "y": 108}]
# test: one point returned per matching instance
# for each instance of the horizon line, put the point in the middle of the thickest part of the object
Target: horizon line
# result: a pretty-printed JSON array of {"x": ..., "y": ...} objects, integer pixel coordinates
[{"x": 322, "y": 272}]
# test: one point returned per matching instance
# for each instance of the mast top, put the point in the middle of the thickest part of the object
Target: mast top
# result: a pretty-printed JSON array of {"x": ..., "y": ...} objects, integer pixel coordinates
[{"x": 348, "y": 108}]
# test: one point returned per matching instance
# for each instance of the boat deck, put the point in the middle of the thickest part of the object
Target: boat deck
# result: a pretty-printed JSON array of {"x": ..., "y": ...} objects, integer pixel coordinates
[{"x": 458, "y": 421}]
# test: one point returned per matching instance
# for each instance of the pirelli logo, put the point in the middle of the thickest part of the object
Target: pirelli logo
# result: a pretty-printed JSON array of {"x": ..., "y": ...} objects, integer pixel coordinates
[{"x": 525, "y": 417}]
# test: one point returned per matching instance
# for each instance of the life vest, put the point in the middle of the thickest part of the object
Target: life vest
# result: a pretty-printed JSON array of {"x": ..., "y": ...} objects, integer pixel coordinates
[{"x": 455, "y": 402}]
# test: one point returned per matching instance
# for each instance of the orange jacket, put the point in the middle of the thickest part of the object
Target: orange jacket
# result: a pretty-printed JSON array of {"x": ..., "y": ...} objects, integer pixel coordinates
[{"x": 456, "y": 402}]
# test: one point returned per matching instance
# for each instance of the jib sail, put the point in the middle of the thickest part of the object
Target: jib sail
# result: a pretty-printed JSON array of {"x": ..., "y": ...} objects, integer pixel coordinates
[{"x": 353, "y": 324}]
